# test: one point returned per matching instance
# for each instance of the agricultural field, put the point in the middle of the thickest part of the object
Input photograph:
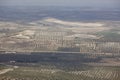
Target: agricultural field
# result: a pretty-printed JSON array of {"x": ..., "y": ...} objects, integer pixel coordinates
[
  {"x": 52, "y": 34},
  {"x": 50, "y": 73},
  {"x": 59, "y": 66}
]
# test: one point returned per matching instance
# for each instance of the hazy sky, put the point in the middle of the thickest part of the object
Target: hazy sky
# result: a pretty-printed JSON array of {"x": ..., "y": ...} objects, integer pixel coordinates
[{"x": 84, "y": 3}]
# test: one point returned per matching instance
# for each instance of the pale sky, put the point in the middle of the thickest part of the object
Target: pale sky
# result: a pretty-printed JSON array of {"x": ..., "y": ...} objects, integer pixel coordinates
[{"x": 84, "y": 3}]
